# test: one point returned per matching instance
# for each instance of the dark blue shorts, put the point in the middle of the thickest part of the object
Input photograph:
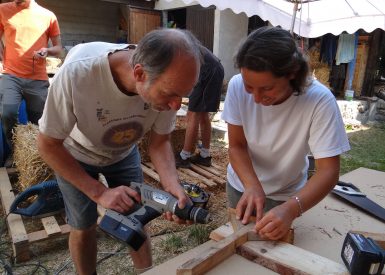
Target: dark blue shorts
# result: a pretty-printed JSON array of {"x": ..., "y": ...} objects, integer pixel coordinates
[
  {"x": 206, "y": 95},
  {"x": 81, "y": 211}
]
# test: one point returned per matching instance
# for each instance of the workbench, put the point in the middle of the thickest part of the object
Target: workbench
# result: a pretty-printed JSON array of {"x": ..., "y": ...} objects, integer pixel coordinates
[{"x": 321, "y": 230}]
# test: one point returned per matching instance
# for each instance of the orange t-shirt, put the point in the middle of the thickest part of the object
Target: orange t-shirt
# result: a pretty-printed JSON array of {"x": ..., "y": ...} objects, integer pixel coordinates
[{"x": 26, "y": 30}]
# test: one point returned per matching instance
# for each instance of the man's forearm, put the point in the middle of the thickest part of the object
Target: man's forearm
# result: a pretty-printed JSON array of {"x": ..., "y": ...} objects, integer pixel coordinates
[
  {"x": 62, "y": 162},
  {"x": 55, "y": 50}
]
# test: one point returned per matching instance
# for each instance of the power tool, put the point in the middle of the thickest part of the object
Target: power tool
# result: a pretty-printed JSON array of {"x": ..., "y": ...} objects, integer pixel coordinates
[
  {"x": 130, "y": 228},
  {"x": 197, "y": 195},
  {"x": 48, "y": 201},
  {"x": 361, "y": 255}
]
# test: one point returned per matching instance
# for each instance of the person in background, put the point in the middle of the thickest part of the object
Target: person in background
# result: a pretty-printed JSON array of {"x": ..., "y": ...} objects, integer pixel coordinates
[
  {"x": 204, "y": 99},
  {"x": 276, "y": 114},
  {"x": 27, "y": 28},
  {"x": 104, "y": 98}
]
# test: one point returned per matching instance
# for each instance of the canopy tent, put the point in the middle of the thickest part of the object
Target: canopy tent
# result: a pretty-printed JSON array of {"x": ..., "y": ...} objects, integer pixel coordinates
[{"x": 313, "y": 18}]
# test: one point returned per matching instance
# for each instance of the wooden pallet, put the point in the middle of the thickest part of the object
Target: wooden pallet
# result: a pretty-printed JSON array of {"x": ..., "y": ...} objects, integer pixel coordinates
[
  {"x": 21, "y": 239},
  {"x": 207, "y": 176}
]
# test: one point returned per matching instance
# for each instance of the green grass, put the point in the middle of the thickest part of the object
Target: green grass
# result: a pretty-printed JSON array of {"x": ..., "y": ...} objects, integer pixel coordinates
[
  {"x": 367, "y": 150},
  {"x": 172, "y": 243},
  {"x": 199, "y": 233}
]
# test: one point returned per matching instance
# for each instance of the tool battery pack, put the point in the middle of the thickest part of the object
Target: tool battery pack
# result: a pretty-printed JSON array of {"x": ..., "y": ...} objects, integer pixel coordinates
[{"x": 361, "y": 255}]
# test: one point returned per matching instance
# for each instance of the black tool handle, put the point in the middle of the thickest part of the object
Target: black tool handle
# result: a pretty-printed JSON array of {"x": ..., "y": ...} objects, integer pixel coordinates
[{"x": 145, "y": 214}]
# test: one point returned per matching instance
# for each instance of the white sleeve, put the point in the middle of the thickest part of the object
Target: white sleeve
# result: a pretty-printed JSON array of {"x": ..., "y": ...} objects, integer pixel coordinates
[
  {"x": 231, "y": 109},
  {"x": 327, "y": 132},
  {"x": 58, "y": 118},
  {"x": 165, "y": 122}
]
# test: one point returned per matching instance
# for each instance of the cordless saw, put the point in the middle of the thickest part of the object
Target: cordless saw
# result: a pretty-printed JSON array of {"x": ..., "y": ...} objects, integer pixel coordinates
[
  {"x": 46, "y": 200},
  {"x": 130, "y": 228}
]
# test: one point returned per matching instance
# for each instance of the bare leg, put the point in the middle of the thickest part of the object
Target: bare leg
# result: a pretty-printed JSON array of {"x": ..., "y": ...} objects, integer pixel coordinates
[
  {"x": 142, "y": 258},
  {"x": 82, "y": 245},
  {"x": 191, "y": 136},
  {"x": 205, "y": 127}
]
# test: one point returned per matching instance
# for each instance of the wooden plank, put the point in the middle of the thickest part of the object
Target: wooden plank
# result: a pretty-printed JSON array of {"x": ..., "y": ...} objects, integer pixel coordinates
[
  {"x": 14, "y": 222},
  {"x": 208, "y": 182},
  {"x": 151, "y": 173},
  {"x": 51, "y": 226},
  {"x": 215, "y": 254},
  {"x": 217, "y": 171},
  {"x": 231, "y": 265},
  {"x": 221, "y": 232},
  {"x": 237, "y": 224},
  {"x": 41, "y": 235},
  {"x": 207, "y": 174},
  {"x": 285, "y": 258},
  {"x": 216, "y": 166}
]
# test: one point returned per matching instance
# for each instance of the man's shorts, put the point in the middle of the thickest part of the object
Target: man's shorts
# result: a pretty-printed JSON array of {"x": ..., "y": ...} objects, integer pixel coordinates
[
  {"x": 233, "y": 196},
  {"x": 80, "y": 210},
  {"x": 206, "y": 95}
]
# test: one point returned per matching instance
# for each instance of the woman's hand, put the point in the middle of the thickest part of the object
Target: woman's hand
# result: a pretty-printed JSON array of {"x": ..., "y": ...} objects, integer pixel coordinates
[
  {"x": 253, "y": 199},
  {"x": 276, "y": 222}
]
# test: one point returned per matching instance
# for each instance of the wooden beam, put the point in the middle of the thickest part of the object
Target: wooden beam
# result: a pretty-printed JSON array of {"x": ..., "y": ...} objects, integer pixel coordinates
[
  {"x": 148, "y": 171},
  {"x": 41, "y": 235},
  {"x": 51, "y": 226},
  {"x": 208, "y": 182},
  {"x": 207, "y": 174},
  {"x": 15, "y": 224},
  {"x": 215, "y": 254},
  {"x": 237, "y": 224},
  {"x": 217, "y": 171},
  {"x": 285, "y": 258}
]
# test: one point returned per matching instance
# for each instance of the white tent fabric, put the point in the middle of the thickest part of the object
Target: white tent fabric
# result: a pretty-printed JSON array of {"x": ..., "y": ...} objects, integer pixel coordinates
[{"x": 314, "y": 18}]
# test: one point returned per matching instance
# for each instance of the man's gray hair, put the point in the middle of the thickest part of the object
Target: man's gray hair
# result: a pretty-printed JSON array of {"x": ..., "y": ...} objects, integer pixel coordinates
[{"x": 156, "y": 50}]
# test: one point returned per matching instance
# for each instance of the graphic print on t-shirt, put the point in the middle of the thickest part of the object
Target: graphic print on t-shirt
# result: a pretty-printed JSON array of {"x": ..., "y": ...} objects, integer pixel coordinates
[{"x": 123, "y": 135}]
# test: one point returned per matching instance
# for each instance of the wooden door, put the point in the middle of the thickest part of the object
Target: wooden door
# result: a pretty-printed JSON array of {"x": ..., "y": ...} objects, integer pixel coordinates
[
  {"x": 142, "y": 21},
  {"x": 361, "y": 60},
  {"x": 200, "y": 21}
]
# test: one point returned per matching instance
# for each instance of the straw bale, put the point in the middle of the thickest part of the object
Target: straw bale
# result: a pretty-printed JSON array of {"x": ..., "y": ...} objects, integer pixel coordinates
[
  {"x": 321, "y": 70},
  {"x": 31, "y": 167}
]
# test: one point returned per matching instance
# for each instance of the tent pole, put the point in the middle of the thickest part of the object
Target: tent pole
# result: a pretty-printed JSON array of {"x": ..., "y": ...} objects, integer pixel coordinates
[{"x": 293, "y": 18}]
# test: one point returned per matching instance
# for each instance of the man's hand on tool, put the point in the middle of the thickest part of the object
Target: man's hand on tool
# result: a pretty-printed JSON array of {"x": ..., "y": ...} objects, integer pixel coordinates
[
  {"x": 120, "y": 199},
  {"x": 253, "y": 199},
  {"x": 183, "y": 200},
  {"x": 275, "y": 223}
]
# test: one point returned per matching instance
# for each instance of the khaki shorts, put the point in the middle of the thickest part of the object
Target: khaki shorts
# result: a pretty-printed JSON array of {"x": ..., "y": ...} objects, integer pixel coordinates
[{"x": 233, "y": 196}]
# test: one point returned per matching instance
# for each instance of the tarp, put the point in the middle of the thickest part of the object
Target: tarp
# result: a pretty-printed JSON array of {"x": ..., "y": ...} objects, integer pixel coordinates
[{"x": 314, "y": 18}]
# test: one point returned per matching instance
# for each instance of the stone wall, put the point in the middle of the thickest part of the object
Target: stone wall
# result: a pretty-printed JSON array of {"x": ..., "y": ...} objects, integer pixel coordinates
[{"x": 364, "y": 111}]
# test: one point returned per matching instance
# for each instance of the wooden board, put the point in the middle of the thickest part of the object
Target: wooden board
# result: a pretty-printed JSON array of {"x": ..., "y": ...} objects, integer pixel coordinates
[
  {"x": 16, "y": 228},
  {"x": 215, "y": 254},
  {"x": 228, "y": 229},
  {"x": 231, "y": 265},
  {"x": 285, "y": 258},
  {"x": 217, "y": 171},
  {"x": 207, "y": 174},
  {"x": 203, "y": 175}
]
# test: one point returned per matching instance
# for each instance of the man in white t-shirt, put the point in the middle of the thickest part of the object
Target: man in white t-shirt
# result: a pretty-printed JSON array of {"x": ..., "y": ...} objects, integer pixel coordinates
[
  {"x": 104, "y": 98},
  {"x": 276, "y": 115}
]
